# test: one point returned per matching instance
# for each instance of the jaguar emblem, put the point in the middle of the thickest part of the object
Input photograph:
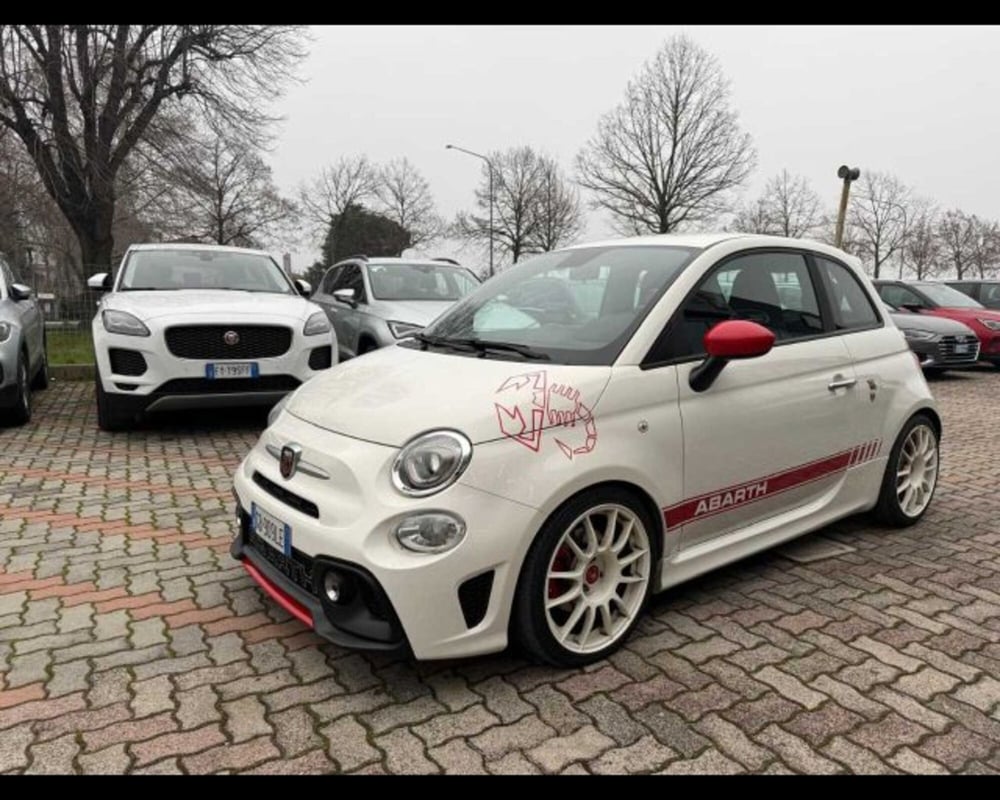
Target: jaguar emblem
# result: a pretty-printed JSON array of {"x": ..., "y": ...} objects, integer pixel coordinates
[
  {"x": 288, "y": 462},
  {"x": 231, "y": 338}
]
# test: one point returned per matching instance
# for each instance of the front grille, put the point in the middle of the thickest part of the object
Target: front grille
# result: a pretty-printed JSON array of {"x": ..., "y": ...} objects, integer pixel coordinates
[
  {"x": 265, "y": 383},
  {"x": 287, "y": 497},
  {"x": 209, "y": 341},
  {"x": 298, "y": 568},
  {"x": 126, "y": 362},
  {"x": 321, "y": 357},
  {"x": 947, "y": 354}
]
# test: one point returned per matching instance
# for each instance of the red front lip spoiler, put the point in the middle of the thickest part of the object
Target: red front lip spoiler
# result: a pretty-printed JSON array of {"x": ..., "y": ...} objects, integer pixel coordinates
[{"x": 290, "y": 604}]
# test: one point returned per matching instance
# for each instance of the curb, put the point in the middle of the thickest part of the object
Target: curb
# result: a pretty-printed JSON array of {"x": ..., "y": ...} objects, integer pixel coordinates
[{"x": 72, "y": 372}]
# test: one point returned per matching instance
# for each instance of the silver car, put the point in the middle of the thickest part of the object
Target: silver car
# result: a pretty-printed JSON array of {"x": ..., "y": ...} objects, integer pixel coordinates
[
  {"x": 373, "y": 302},
  {"x": 23, "y": 363}
]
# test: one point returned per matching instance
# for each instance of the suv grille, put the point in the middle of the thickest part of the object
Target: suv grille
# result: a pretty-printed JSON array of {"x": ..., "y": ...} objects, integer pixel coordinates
[
  {"x": 947, "y": 345},
  {"x": 208, "y": 341}
]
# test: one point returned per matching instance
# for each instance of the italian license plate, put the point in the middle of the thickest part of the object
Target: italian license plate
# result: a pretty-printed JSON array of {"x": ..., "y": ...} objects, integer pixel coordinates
[
  {"x": 247, "y": 369},
  {"x": 271, "y": 529},
  {"x": 962, "y": 348}
]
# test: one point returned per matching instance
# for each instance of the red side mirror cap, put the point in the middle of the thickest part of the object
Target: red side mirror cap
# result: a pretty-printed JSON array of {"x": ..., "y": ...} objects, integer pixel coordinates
[{"x": 738, "y": 338}]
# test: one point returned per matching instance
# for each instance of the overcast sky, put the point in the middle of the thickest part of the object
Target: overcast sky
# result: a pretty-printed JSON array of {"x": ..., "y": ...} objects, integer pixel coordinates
[{"x": 920, "y": 102}]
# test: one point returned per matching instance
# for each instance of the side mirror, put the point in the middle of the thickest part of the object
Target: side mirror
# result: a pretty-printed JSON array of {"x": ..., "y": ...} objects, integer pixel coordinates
[
  {"x": 729, "y": 340},
  {"x": 101, "y": 282},
  {"x": 18, "y": 292},
  {"x": 304, "y": 288},
  {"x": 346, "y": 296}
]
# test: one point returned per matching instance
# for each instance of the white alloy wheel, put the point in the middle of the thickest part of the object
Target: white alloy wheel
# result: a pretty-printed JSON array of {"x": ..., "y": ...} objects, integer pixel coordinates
[{"x": 917, "y": 470}]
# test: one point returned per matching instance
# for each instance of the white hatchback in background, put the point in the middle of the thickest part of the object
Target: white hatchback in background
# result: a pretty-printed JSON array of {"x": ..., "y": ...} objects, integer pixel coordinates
[
  {"x": 200, "y": 326},
  {"x": 588, "y": 427}
]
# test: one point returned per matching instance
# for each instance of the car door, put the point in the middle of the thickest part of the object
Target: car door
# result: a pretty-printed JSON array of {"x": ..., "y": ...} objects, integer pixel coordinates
[
  {"x": 772, "y": 435},
  {"x": 28, "y": 316},
  {"x": 342, "y": 315}
]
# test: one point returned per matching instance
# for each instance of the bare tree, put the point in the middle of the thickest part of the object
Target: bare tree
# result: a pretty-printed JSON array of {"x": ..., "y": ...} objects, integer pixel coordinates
[
  {"x": 82, "y": 97},
  {"x": 227, "y": 193},
  {"x": 957, "y": 236},
  {"x": 351, "y": 181},
  {"x": 985, "y": 246},
  {"x": 788, "y": 206},
  {"x": 672, "y": 150},
  {"x": 880, "y": 218},
  {"x": 405, "y": 197},
  {"x": 923, "y": 247},
  {"x": 559, "y": 217}
]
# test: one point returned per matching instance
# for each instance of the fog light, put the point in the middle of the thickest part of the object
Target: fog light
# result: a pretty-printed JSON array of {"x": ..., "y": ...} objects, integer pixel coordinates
[
  {"x": 435, "y": 532},
  {"x": 333, "y": 586}
]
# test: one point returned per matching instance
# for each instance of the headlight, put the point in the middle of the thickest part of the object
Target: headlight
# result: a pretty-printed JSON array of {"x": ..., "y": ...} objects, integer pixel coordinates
[
  {"x": 403, "y": 329},
  {"x": 123, "y": 322},
  {"x": 316, "y": 324},
  {"x": 273, "y": 414},
  {"x": 431, "y": 462},
  {"x": 992, "y": 324},
  {"x": 5, "y": 329},
  {"x": 432, "y": 532},
  {"x": 917, "y": 335}
]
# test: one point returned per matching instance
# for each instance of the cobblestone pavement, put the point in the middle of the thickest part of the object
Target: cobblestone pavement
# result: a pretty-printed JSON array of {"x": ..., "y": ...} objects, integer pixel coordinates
[{"x": 131, "y": 642}]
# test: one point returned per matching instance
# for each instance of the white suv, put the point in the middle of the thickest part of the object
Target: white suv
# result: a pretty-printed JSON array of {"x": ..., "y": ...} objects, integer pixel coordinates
[
  {"x": 590, "y": 426},
  {"x": 196, "y": 326}
]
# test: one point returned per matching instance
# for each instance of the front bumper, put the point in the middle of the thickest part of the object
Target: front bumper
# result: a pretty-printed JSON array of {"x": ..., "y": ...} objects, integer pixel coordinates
[
  {"x": 436, "y": 605},
  {"x": 946, "y": 351}
]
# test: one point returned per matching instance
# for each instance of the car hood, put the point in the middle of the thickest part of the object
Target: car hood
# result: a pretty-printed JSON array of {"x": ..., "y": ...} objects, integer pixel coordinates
[
  {"x": 929, "y": 322},
  {"x": 209, "y": 302},
  {"x": 391, "y": 395},
  {"x": 417, "y": 312}
]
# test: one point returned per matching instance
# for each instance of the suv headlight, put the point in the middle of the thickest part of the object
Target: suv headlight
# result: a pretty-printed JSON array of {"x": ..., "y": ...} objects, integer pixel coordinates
[
  {"x": 431, "y": 462},
  {"x": 992, "y": 324},
  {"x": 317, "y": 324},
  {"x": 403, "y": 329},
  {"x": 124, "y": 323},
  {"x": 5, "y": 329},
  {"x": 917, "y": 335}
]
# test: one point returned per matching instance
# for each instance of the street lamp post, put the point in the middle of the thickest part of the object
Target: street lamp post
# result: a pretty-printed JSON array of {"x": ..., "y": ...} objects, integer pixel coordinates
[
  {"x": 489, "y": 165},
  {"x": 848, "y": 175}
]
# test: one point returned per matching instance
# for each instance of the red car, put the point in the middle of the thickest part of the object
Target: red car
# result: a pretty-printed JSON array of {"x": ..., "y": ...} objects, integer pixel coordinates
[{"x": 927, "y": 297}]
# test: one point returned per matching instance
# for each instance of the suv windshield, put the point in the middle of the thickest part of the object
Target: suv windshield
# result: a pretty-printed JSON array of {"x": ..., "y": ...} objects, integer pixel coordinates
[
  {"x": 576, "y": 306},
  {"x": 420, "y": 282},
  {"x": 946, "y": 296},
  {"x": 161, "y": 270}
]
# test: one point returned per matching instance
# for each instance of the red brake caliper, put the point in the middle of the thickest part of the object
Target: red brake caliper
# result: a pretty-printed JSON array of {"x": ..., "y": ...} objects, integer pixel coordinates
[{"x": 563, "y": 562}]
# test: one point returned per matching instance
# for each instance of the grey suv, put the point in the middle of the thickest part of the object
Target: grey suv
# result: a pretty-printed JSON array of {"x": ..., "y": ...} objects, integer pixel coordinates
[
  {"x": 373, "y": 302},
  {"x": 23, "y": 363}
]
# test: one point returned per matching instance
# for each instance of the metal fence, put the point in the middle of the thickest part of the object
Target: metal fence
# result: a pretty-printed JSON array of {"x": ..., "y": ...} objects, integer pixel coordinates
[{"x": 67, "y": 327}]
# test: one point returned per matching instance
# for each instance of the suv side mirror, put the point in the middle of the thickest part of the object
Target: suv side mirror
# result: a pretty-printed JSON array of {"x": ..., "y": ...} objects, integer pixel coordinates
[
  {"x": 18, "y": 292},
  {"x": 346, "y": 296},
  {"x": 729, "y": 340},
  {"x": 101, "y": 282},
  {"x": 303, "y": 287}
]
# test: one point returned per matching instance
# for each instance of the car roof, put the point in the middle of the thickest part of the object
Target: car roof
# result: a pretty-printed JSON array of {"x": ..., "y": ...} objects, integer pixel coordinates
[
  {"x": 704, "y": 240},
  {"x": 193, "y": 246}
]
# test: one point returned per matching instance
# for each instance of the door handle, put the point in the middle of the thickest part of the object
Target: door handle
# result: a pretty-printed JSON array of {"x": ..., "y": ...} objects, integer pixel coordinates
[{"x": 840, "y": 382}]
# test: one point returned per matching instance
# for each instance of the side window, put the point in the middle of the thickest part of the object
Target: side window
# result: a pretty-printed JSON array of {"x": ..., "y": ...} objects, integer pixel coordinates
[
  {"x": 965, "y": 288},
  {"x": 771, "y": 289},
  {"x": 990, "y": 293},
  {"x": 330, "y": 280},
  {"x": 898, "y": 296},
  {"x": 852, "y": 308},
  {"x": 352, "y": 279}
]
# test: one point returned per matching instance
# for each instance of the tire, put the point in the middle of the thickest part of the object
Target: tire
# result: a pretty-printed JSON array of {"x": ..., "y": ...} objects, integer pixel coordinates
[
  {"x": 911, "y": 450},
  {"x": 20, "y": 412},
  {"x": 41, "y": 379},
  {"x": 111, "y": 416},
  {"x": 590, "y": 605}
]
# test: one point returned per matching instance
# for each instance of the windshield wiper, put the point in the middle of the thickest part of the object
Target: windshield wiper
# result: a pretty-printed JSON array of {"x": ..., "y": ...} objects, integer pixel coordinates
[{"x": 482, "y": 346}]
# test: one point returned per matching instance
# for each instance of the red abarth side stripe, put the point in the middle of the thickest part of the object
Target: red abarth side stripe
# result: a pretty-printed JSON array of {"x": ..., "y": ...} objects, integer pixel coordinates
[{"x": 739, "y": 495}]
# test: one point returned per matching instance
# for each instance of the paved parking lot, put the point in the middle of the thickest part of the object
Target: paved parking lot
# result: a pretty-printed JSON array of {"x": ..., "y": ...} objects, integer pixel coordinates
[{"x": 131, "y": 641}]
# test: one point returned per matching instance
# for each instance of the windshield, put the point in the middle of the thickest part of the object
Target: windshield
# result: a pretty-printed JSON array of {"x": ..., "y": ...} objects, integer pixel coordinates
[
  {"x": 576, "y": 306},
  {"x": 420, "y": 282},
  {"x": 162, "y": 270},
  {"x": 946, "y": 296}
]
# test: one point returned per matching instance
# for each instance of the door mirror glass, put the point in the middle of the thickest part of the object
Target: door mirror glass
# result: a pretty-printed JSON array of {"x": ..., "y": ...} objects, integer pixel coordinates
[
  {"x": 303, "y": 287},
  {"x": 18, "y": 291},
  {"x": 100, "y": 282},
  {"x": 738, "y": 338},
  {"x": 345, "y": 296}
]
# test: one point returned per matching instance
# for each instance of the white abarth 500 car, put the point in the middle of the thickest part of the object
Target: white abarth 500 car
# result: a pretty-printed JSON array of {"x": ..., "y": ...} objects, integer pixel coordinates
[
  {"x": 590, "y": 426},
  {"x": 200, "y": 326}
]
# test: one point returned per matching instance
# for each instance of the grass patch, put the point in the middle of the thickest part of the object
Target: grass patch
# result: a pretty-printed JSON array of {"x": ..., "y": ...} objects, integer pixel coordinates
[{"x": 70, "y": 346}]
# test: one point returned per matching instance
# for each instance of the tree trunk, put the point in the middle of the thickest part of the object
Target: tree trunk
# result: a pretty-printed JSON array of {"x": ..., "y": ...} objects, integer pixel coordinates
[{"x": 96, "y": 253}]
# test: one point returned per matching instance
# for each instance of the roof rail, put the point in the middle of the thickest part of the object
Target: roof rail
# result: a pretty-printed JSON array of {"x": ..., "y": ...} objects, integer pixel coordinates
[
  {"x": 448, "y": 260},
  {"x": 360, "y": 256}
]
